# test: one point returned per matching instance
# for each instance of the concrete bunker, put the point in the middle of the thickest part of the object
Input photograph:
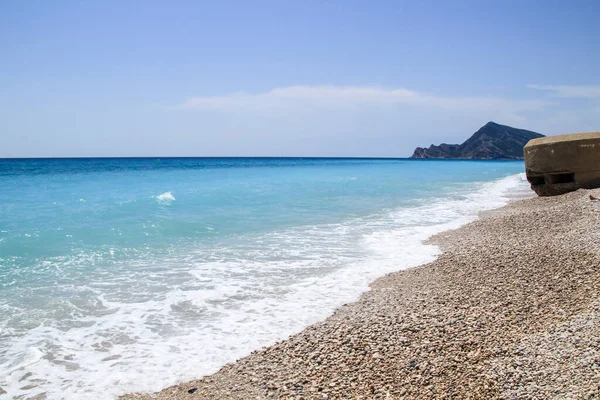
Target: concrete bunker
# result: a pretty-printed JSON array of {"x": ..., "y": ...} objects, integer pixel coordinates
[{"x": 563, "y": 163}]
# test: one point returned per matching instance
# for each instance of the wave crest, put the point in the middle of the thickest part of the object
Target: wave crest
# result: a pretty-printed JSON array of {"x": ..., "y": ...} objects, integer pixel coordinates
[{"x": 165, "y": 198}]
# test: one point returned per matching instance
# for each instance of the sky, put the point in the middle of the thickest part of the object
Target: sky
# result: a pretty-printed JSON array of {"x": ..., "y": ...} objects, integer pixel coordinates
[{"x": 289, "y": 78}]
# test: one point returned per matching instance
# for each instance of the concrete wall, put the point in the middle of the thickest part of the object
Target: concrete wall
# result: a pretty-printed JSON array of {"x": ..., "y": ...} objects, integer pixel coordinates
[{"x": 563, "y": 163}]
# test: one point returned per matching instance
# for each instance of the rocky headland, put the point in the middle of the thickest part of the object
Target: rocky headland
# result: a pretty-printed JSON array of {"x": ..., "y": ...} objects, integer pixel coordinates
[
  {"x": 511, "y": 309},
  {"x": 492, "y": 141}
]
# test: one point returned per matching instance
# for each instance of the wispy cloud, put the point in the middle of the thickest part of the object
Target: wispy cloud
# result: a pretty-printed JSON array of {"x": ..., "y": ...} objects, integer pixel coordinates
[
  {"x": 569, "y": 91},
  {"x": 328, "y": 96},
  {"x": 297, "y": 95}
]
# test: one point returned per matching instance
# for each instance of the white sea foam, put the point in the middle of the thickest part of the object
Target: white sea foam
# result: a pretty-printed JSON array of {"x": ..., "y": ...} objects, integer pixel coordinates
[
  {"x": 188, "y": 314},
  {"x": 165, "y": 198}
]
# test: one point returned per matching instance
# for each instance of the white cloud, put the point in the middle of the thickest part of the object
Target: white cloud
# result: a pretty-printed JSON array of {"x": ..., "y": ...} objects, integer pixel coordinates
[
  {"x": 298, "y": 96},
  {"x": 371, "y": 120},
  {"x": 301, "y": 97},
  {"x": 569, "y": 91}
]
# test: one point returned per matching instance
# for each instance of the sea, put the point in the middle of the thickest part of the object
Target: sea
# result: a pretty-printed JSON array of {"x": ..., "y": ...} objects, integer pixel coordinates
[{"x": 122, "y": 275}]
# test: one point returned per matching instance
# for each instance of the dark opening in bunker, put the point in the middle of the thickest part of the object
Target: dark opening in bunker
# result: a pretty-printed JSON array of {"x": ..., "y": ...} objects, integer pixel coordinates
[
  {"x": 567, "y": 177},
  {"x": 537, "y": 180}
]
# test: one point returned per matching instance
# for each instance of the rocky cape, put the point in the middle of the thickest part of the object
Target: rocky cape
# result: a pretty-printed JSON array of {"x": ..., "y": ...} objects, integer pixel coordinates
[{"x": 492, "y": 141}]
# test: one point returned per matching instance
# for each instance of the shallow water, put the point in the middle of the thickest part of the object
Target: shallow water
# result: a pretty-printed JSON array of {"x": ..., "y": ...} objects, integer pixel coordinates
[{"x": 121, "y": 275}]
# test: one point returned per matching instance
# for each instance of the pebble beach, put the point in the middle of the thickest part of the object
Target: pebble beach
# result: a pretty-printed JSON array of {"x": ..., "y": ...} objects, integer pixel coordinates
[{"x": 510, "y": 309}]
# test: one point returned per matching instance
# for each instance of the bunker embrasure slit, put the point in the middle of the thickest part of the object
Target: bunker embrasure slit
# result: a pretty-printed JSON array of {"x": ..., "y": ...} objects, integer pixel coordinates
[{"x": 564, "y": 177}]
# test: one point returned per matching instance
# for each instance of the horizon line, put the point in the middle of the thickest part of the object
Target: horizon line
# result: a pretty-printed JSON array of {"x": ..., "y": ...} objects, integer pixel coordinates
[{"x": 255, "y": 157}]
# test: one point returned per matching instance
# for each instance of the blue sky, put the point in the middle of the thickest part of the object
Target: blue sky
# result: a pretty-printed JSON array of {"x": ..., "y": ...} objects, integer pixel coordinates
[{"x": 289, "y": 78}]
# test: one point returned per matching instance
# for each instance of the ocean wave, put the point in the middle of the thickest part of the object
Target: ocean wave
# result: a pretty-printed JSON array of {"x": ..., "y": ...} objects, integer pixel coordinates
[{"x": 165, "y": 198}]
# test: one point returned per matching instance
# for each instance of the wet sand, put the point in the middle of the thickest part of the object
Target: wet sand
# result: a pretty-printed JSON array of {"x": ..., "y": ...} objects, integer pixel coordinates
[{"x": 511, "y": 309}]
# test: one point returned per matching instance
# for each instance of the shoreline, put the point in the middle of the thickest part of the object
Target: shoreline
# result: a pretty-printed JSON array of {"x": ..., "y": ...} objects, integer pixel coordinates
[{"x": 479, "y": 321}]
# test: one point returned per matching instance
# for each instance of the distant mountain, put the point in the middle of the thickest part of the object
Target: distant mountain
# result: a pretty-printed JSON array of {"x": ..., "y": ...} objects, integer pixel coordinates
[{"x": 492, "y": 141}]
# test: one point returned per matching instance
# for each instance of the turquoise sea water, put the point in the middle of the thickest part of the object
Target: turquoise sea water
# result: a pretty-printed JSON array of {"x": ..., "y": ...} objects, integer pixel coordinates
[{"x": 120, "y": 275}]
